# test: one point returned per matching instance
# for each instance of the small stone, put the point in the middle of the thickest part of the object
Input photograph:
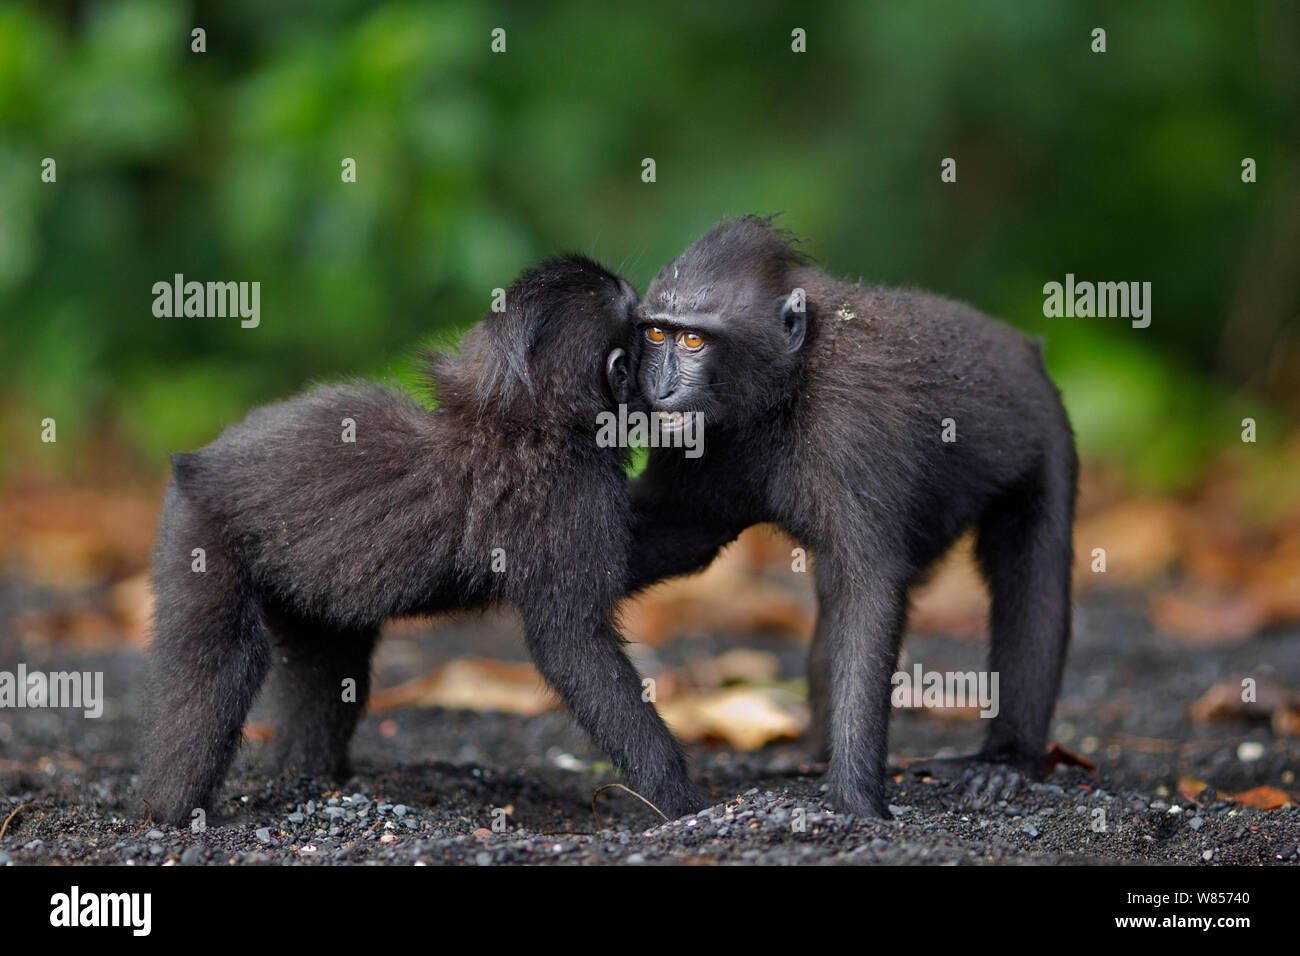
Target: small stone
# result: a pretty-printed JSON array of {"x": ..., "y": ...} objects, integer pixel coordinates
[
  {"x": 1030, "y": 829},
  {"x": 191, "y": 856},
  {"x": 1248, "y": 751},
  {"x": 401, "y": 810},
  {"x": 1195, "y": 823},
  {"x": 263, "y": 835},
  {"x": 156, "y": 835},
  {"x": 483, "y": 859},
  {"x": 297, "y": 818},
  {"x": 634, "y": 859}
]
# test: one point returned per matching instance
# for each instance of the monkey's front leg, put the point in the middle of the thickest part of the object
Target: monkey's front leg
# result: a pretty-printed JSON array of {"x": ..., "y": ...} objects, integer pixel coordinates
[
  {"x": 604, "y": 694},
  {"x": 862, "y": 623}
]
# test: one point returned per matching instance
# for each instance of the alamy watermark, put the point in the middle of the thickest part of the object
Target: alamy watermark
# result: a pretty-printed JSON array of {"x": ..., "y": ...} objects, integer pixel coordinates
[
  {"x": 938, "y": 689},
  {"x": 654, "y": 430},
  {"x": 1126, "y": 300},
  {"x": 57, "y": 689},
  {"x": 74, "y": 909},
  {"x": 217, "y": 300}
]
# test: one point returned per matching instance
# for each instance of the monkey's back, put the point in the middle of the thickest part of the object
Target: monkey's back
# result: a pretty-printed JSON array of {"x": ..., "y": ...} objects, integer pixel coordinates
[
  {"x": 331, "y": 500},
  {"x": 353, "y": 504},
  {"x": 937, "y": 402}
]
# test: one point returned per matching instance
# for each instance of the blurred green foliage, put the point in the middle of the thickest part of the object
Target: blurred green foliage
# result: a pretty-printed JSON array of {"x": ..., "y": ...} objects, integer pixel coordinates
[{"x": 225, "y": 165}]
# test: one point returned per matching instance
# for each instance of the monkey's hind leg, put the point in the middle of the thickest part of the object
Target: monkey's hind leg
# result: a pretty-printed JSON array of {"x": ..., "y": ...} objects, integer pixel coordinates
[
  {"x": 207, "y": 661},
  {"x": 1025, "y": 550},
  {"x": 320, "y": 683},
  {"x": 1027, "y": 554}
]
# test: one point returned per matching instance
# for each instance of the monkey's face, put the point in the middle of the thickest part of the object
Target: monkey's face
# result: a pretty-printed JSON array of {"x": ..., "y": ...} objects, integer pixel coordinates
[{"x": 719, "y": 345}]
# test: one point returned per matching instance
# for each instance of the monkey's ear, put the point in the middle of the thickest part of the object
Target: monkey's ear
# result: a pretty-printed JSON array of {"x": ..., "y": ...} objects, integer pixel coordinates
[
  {"x": 619, "y": 376},
  {"x": 795, "y": 322}
]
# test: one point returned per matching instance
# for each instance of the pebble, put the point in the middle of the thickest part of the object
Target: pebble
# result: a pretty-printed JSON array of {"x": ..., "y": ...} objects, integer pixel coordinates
[
  {"x": 1030, "y": 829},
  {"x": 263, "y": 835},
  {"x": 401, "y": 810},
  {"x": 1195, "y": 823},
  {"x": 191, "y": 856},
  {"x": 4, "y": 858},
  {"x": 297, "y": 818},
  {"x": 1248, "y": 751},
  {"x": 156, "y": 835}
]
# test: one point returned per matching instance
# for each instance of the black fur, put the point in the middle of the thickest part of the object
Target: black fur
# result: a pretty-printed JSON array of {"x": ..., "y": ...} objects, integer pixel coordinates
[
  {"x": 828, "y": 423},
  {"x": 312, "y": 542}
]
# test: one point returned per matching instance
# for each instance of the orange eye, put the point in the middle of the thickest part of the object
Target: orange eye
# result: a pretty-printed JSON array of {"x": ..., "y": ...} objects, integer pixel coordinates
[
  {"x": 692, "y": 340},
  {"x": 655, "y": 335}
]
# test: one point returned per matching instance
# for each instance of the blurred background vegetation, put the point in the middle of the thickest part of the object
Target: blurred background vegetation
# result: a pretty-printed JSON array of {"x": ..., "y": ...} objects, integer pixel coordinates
[{"x": 225, "y": 165}]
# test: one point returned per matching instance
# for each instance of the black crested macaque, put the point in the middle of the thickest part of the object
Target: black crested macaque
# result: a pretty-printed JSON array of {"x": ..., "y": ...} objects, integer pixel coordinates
[
  {"x": 323, "y": 516},
  {"x": 874, "y": 426}
]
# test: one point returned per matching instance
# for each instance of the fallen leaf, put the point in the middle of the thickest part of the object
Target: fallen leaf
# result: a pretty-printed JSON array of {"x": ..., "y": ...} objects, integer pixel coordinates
[
  {"x": 744, "y": 717},
  {"x": 1190, "y": 788},
  {"x": 1264, "y": 798},
  {"x": 1058, "y": 756},
  {"x": 1142, "y": 539},
  {"x": 259, "y": 733},
  {"x": 1272, "y": 702},
  {"x": 1202, "y": 618},
  {"x": 472, "y": 683}
]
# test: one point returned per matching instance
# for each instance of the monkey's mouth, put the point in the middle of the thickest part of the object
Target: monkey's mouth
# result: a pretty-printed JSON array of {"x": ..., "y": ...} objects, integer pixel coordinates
[{"x": 676, "y": 421}]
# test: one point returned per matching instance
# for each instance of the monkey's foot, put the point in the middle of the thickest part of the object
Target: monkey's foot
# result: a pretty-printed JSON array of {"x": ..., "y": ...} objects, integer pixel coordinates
[
  {"x": 857, "y": 802},
  {"x": 979, "y": 781}
]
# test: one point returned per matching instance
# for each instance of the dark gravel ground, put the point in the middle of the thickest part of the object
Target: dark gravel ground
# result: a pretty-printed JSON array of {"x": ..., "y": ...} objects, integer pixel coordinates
[{"x": 429, "y": 790}]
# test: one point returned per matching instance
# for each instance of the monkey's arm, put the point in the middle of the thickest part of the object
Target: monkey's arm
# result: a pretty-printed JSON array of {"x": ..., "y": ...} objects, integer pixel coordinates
[
  {"x": 567, "y": 609},
  {"x": 663, "y": 545}
]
